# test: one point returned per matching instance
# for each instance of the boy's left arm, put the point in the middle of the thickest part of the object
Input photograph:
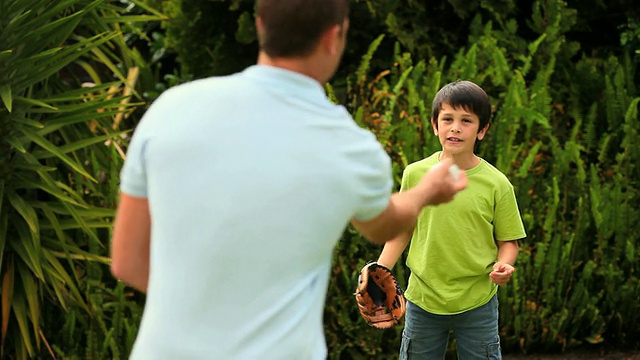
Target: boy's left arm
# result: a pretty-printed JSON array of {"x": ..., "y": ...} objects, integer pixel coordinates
[{"x": 507, "y": 256}]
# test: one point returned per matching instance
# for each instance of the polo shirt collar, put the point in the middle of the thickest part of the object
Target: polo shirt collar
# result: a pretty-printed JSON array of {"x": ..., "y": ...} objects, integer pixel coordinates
[{"x": 285, "y": 80}]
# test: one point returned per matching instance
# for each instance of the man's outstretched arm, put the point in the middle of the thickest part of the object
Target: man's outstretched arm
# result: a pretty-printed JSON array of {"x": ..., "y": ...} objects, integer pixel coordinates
[{"x": 436, "y": 187}]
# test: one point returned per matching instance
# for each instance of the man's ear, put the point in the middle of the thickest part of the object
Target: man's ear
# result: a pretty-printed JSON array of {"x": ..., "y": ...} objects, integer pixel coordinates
[
  {"x": 483, "y": 132},
  {"x": 258, "y": 23},
  {"x": 330, "y": 39},
  {"x": 259, "y": 27},
  {"x": 434, "y": 124}
]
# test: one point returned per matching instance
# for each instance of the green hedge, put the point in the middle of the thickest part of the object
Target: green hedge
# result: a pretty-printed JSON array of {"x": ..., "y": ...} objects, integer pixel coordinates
[
  {"x": 64, "y": 88},
  {"x": 564, "y": 131},
  {"x": 570, "y": 152}
]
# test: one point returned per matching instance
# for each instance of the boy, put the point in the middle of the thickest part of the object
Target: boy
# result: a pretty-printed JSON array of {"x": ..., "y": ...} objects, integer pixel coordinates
[{"x": 461, "y": 251}]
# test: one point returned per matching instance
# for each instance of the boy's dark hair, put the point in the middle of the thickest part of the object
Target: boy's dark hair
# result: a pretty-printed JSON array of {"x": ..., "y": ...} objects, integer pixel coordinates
[
  {"x": 293, "y": 28},
  {"x": 464, "y": 94}
]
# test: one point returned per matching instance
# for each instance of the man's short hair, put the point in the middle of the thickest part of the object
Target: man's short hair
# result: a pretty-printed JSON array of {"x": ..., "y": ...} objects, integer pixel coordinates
[
  {"x": 464, "y": 94},
  {"x": 292, "y": 28}
]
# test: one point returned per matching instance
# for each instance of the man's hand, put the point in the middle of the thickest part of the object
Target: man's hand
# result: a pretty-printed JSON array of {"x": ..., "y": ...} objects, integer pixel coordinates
[
  {"x": 501, "y": 273},
  {"x": 436, "y": 187},
  {"x": 439, "y": 186}
]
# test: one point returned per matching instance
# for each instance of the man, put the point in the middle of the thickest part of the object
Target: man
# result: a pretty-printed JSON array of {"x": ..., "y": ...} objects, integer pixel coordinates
[{"x": 236, "y": 189}]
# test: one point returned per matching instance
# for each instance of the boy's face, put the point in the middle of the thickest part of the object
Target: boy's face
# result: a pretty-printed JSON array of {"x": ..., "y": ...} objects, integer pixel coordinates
[{"x": 457, "y": 130}]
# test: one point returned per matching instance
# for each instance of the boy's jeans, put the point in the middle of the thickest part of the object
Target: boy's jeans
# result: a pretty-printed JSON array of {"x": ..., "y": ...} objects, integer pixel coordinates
[{"x": 426, "y": 335}]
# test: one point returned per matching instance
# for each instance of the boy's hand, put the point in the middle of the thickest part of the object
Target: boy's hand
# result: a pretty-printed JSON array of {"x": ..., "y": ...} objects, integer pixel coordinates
[{"x": 501, "y": 273}]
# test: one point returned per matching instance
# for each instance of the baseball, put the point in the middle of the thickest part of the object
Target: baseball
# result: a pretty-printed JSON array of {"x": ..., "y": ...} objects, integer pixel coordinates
[{"x": 454, "y": 171}]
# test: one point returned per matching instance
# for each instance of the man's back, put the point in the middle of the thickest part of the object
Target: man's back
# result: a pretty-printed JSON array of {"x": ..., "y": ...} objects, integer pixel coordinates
[
  {"x": 251, "y": 180},
  {"x": 235, "y": 191}
]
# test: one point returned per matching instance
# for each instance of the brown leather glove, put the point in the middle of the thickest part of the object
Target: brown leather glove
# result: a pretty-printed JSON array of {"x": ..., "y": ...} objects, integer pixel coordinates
[{"x": 380, "y": 300}]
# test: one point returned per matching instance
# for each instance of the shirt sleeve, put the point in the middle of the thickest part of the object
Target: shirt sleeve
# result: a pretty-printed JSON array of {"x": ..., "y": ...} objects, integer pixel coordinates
[
  {"x": 405, "y": 184},
  {"x": 376, "y": 181},
  {"x": 133, "y": 176},
  {"x": 508, "y": 223}
]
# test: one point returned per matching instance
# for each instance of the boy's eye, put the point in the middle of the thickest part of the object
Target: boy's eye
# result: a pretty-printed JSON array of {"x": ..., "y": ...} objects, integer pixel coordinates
[{"x": 446, "y": 119}]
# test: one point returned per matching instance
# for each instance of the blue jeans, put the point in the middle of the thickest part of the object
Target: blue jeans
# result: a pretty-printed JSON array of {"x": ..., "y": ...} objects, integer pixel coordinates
[{"x": 426, "y": 335}]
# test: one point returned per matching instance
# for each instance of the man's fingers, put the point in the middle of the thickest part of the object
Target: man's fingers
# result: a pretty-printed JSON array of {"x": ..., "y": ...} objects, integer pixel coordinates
[{"x": 461, "y": 183}]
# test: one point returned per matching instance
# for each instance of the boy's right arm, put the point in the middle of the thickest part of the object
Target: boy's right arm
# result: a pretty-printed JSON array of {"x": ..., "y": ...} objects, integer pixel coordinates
[
  {"x": 435, "y": 187},
  {"x": 394, "y": 248}
]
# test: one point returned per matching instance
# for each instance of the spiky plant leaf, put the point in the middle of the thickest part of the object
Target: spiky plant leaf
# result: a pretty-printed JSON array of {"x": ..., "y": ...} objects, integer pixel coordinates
[{"x": 57, "y": 143}]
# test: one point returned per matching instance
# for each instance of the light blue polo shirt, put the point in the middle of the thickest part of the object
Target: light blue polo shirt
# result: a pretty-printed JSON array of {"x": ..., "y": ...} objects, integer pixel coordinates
[{"x": 251, "y": 180}]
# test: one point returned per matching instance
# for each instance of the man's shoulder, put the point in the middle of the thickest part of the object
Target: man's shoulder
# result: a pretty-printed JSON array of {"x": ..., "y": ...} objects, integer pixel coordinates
[
  {"x": 208, "y": 83},
  {"x": 202, "y": 93}
]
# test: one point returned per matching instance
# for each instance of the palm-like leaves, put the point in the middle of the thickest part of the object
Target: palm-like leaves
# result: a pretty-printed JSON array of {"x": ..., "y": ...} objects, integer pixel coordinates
[{"x": 58, "y": 157}]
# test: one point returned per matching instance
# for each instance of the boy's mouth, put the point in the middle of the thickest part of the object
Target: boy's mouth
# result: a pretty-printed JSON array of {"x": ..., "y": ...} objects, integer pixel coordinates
[{"x": 454, "y": 139}]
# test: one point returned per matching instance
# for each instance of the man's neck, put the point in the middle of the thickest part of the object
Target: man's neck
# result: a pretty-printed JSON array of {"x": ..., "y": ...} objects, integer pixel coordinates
[{"x": 302, "y": 66}]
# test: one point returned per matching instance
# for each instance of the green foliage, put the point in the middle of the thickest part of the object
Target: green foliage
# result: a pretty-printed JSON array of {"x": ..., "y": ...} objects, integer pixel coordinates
[
  {"x": 569, "y": 150},
  {"x": 430, "y": 29},
  {"x": 210, "y": 37},
  {"x": 61, "y": 153},
  {"x": 347, "y": 335},
  {"x": 564, "y": 131}
]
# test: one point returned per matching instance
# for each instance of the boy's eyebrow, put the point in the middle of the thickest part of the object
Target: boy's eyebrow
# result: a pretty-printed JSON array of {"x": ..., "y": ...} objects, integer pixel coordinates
[{"x": 464, "y": 113}]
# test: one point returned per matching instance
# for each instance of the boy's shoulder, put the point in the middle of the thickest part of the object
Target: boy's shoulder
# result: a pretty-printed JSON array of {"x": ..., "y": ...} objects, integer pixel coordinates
[
  {"x": 496, "y": 175},
  {"x": 492, "y": 169}
]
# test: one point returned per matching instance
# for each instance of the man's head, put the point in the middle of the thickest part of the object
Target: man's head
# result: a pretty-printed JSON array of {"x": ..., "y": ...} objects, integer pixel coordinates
[
  {"x": 466, "y": 95},
  {"x": 293, "y": 28},
  {"x": 307, "y": 36}
]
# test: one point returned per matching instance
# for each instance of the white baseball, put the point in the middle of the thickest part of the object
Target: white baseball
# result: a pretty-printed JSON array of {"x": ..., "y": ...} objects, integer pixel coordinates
[{"x": 454, "y": 171}]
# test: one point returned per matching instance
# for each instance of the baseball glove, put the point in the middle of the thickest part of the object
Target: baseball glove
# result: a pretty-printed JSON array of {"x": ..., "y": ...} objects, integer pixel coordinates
[{"x": 380, "y": 300}]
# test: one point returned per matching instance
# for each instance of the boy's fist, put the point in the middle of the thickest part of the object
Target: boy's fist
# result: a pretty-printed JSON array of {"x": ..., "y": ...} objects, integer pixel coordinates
[{"x": 501, "y": 273}]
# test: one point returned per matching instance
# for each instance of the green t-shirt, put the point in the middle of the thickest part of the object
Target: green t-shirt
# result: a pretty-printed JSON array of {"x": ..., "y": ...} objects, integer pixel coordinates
[{"x": 453, "y": 247}]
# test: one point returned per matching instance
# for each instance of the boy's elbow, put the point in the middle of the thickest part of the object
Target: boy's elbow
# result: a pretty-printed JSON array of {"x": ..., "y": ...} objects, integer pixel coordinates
[{"x": 517, "y": 244}]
